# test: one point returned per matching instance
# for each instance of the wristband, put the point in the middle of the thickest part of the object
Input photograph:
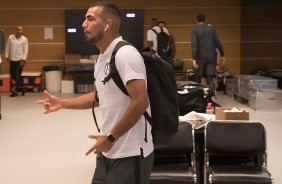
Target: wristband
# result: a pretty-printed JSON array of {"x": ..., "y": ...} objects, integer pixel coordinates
[{"x": 111, "y": 138}]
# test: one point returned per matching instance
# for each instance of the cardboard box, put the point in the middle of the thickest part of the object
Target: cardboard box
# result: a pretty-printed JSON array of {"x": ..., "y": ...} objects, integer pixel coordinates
[
  {"x": 67, "y": 86},
  {"x": 221, "y": 115}
]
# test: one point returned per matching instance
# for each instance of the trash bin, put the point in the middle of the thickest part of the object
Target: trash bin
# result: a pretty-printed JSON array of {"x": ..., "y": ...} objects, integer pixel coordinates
[{"x": 53, "y": 76}]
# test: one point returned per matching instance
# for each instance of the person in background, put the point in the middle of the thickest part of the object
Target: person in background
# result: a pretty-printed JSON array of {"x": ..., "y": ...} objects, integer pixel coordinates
[
  {"x": 152, "y": 39},
  {"x": 172, "y": 41},
  {"x": 153, "y": 23},
  {"x": 16, "y": 54},
  {"x": 2, "y": 45},
  {"x": 219, "y": 64},
  {"x": 123, "y": 155},
  {"x": 204, "y": 42}
]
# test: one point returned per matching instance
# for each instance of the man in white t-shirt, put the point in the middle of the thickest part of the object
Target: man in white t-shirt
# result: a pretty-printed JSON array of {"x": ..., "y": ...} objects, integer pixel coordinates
[
  {"x": 123, "y": 155},
  {"x": 152, "y": 36},
  {"x": 154, "y": 22},
  {"x": 172, "y": 41},
  {"x": 16, "y": 54}
]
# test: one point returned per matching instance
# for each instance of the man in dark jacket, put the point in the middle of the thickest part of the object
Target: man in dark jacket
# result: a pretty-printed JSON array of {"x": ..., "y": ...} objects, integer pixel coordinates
[{"x": 204, "y": 42}]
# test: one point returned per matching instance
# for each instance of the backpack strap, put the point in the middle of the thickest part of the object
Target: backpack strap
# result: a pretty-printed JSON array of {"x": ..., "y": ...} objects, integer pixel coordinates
[
  {"x": 162, "y": 30},
  {"x": 94, "y": 116},
  {"x": 155, "y": 31},
  {"x": 113, "y": 74}
]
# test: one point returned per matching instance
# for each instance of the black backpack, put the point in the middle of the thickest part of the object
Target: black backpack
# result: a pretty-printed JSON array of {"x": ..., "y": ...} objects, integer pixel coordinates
[
  {"x": 164, "y": 45},
  {"x": 162, "y": 92}
]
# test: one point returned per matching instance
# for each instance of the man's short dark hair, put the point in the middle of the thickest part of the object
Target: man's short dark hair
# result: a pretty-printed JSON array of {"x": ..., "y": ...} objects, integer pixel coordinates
[
  {"x": 201, "y": 17},
  {"x": 154, "y": 22},
  {"x": 109, "y": 8},
  {"x": 154, "y": 19},
  {"x": 162, "y": 22}
]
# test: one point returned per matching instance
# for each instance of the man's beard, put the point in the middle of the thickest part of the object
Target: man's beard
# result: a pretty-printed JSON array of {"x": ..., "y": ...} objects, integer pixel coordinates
[{"x": 95, "y": 39}]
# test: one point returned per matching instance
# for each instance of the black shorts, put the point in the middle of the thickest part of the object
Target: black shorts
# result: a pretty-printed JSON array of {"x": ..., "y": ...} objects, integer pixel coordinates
[
  {"x": 130, "y": 170},
  {"x": 206, "y": 67}
]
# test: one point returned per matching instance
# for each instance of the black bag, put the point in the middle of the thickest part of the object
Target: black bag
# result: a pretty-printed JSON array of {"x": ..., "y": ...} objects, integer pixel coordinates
[
  {"x": 277, "y": 74},
  {"x": 162, "y": 92},
  {"x": 164, "y": 45},
  {"x": 195, "y": 100}
]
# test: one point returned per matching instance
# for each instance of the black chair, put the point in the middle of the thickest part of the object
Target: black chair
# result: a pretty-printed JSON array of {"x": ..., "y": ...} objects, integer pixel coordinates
[
  {"x": 178, "y": 64},
  {"x": 175, "y": 163},
  {"x": 235, "y": 152}
]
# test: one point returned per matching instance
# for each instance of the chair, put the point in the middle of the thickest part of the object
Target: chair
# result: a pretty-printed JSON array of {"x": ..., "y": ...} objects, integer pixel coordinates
[
  {"x": 178, "y": 64},
  {"x": 175, "y": 163},
  {"x": 235, "y": 152},
  {"x": 178, "y": 70}
]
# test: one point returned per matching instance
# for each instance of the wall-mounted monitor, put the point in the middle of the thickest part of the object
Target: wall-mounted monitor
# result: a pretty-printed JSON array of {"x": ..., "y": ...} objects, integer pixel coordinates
[{"x": 131, "y": 30}]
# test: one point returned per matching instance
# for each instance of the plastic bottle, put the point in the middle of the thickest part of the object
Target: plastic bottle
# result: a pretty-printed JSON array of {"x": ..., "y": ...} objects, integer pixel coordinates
[{"x": 210, "y": 109}]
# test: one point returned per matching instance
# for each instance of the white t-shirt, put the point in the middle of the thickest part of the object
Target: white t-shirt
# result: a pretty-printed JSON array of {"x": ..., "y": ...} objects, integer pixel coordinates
[
  {"x": 113, "y": 102},
  {"x": 152, "y": 36},
  {"x": 16, "y": 48}
]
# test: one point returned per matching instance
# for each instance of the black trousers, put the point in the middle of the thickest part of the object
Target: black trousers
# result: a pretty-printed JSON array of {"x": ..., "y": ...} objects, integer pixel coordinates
[{"x": 16, "y": 74}]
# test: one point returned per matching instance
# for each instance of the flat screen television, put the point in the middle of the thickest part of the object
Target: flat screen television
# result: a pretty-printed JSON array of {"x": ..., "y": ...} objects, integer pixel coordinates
[{"x": 131, "y": 30}]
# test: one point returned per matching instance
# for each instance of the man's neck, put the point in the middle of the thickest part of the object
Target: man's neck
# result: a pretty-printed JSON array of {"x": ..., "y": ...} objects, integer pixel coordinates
[
  {"x": 105, "y": 44},
  {"x": 17, "y": 36}
]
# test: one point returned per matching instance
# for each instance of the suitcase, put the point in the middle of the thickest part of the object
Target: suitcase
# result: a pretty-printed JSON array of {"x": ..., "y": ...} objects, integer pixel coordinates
[
  {"x": 237, "y": 84},
  {"x": 240, "y": 86},
  {"x": 265, "y": 99},
  {"x": 230, "y": 86},
  {"x": 256, "y": 82}
]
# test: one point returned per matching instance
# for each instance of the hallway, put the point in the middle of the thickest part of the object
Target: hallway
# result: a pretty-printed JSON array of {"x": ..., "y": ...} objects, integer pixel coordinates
[{"x": 50, "y": 149}]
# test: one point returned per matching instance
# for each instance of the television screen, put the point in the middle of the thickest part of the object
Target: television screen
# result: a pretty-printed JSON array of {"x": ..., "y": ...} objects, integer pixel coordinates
[{"x": 131, "y": 30}]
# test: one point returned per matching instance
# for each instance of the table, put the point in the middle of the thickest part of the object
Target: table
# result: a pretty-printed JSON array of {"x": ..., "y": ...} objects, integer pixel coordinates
[
  {"x": 73, "y": 67},
  {"x": 82, "y": 75}
]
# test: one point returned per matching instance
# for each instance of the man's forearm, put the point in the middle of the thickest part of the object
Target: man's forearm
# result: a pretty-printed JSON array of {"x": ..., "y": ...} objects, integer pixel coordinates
[
  {"x": 150, "y": 44},
  {"x": 81, "y": 102}
]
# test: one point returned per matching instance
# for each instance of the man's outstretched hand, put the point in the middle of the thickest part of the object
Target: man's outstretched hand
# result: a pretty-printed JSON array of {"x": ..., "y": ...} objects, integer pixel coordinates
[{"x": 51, "y": 104}]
